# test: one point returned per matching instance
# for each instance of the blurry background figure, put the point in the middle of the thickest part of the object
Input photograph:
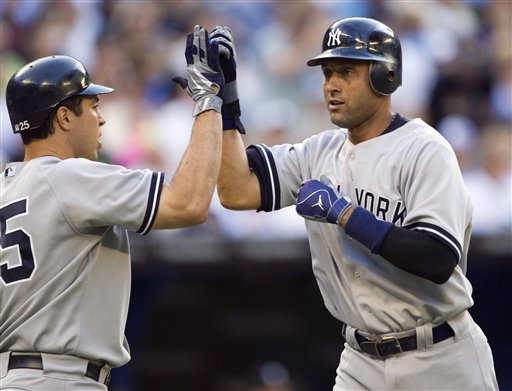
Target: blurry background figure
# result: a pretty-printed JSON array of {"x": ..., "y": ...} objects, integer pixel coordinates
[{"x": 490, "y": 184}]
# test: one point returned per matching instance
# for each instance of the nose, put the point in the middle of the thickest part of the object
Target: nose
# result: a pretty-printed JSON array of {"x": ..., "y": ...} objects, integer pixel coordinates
[
  {"x": 102, "y": 119},
  {"x": 331, "y": 85}
]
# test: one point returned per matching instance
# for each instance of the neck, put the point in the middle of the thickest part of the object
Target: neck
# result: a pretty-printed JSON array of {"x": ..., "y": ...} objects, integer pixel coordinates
[
  {"x": 371, "y": 128},
  {"x": 39, "y": 148}
]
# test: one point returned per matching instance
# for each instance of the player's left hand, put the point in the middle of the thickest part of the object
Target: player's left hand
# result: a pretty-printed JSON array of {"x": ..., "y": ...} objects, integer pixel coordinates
[
  {"x": 205, "y": 82},
  {"x": 320, "y": 201},
  {"x": 231, "y": 103}
]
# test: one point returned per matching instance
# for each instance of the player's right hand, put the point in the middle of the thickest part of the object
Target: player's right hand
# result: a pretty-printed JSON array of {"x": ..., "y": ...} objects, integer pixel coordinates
[
  {"x": 319, "y": 201},
  {"x": 205, "y": 81}
]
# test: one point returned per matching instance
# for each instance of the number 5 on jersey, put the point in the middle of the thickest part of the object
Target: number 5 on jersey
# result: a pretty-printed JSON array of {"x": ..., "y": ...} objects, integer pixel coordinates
[{"x": 15, "y": 265}]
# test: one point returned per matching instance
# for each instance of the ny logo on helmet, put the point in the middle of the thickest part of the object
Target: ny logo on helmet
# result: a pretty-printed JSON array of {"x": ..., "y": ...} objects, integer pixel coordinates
[{"x": 337, "y": 37}]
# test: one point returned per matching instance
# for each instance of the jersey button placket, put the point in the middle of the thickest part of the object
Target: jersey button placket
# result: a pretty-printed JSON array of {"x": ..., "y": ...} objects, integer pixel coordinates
[{"x": 351, "y": 158}]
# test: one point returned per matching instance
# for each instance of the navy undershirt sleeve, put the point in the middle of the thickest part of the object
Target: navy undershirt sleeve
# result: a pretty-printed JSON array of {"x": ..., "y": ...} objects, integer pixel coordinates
[
  {"x": 419, "y": 254},
  {"x": 411, "y": 250}
]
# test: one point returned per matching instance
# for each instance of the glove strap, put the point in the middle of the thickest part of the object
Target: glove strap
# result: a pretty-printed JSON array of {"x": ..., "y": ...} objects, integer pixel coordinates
[
  {"x": 338, "y": 209},
  {"x": 208, "y": 102},
  {"x": 231, "y": 116},
  {"x": 233, "y": 123}
]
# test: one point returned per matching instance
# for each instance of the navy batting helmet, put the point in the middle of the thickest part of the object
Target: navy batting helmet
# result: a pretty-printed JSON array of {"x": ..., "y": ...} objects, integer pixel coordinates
[
  {"x": 38, "y": 87},
  {"x": 365, "y": 39}
]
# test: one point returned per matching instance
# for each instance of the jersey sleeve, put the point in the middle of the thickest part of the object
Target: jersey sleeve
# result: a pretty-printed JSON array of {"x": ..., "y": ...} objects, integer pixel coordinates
[
  {"x": 94, "y": 194},
  {"x": 282, "y": 169},
  {"x": 434, "y": 192}
]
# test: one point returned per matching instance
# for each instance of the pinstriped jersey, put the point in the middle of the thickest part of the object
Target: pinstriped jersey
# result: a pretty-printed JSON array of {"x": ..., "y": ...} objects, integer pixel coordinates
[
  {"x": 410, "y": 177},
  {"x": 65, "y": 258}
]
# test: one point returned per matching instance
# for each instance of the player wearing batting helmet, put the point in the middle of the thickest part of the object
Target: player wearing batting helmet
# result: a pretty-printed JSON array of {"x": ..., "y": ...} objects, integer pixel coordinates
[
  {"x": 65, "y": 258},
  {"x": 388, "y": 219}
]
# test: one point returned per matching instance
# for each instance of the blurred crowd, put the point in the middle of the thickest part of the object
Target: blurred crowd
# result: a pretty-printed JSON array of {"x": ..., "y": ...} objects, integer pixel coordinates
[{"x": 457, "y": 64}]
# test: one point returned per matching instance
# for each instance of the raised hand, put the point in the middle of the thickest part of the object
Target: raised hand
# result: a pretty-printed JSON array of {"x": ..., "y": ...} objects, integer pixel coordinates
[
  {"x": 231, "y": 103},
  {"x": 205, "y": 81}
]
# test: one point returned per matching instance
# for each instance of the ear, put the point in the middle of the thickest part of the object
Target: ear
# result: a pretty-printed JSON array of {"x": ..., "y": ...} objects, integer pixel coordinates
[{"x": 65, "y": 118}]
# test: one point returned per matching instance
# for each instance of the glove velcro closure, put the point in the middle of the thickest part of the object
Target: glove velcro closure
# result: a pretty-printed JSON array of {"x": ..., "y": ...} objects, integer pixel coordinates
[
  {"x": 231, "y": 117},
  {"x": 338, "y": 209},
  {"x": 208, "y": 102}
]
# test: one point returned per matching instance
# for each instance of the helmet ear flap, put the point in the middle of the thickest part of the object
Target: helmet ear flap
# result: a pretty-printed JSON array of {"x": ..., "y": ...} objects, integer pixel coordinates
[{"x": 385, "y": 77}]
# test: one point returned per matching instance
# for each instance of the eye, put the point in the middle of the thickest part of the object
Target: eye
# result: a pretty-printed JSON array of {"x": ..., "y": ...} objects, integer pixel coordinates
[{"x": 327, "y": 72}]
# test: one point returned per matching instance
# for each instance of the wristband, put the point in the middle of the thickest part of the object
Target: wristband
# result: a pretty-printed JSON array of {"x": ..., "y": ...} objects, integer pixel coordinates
[
  {"x": 208, "y": 102},
  {"x": 367, "y": 229}
]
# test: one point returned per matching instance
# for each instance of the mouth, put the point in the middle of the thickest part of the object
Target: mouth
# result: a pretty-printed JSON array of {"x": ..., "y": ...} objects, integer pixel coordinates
[{"x": 335, "y": 104}]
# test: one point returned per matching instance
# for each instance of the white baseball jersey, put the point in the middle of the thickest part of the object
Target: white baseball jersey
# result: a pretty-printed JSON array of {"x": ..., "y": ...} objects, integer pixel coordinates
[
  {"x": 65, "y": 259},
  {"x": 409, "y": 176}
]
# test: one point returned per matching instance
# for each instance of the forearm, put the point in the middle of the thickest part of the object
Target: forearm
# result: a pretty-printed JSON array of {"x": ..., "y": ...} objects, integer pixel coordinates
[
  {"x": 419, "y": 254},
  {"x": 186, "y": 199},
  {"x": 238, "y": 186}
]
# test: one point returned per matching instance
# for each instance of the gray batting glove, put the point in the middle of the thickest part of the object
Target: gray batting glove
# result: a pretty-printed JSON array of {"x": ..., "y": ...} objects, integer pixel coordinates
[{"x": 205, "y": 81}]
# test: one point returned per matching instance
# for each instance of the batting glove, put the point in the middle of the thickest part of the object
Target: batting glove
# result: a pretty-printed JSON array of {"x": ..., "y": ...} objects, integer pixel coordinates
[
  {"x": 231, "y": 107},
  {"x": 205, "y": 82},
  {"x": 319, "y": 201}
]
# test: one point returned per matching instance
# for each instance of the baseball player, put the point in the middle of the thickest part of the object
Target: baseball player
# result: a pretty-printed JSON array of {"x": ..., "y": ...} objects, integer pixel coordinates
[
  {"x": 65, "y": 258},
  {"x": 388, "y": 219}
]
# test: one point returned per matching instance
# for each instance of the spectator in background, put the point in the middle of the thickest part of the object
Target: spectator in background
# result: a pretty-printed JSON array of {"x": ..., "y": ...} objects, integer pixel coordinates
[
  {"x": 484, "y": 157},
  {"x": 490, "y": 185},
  {"x": 462, "y": 134}
]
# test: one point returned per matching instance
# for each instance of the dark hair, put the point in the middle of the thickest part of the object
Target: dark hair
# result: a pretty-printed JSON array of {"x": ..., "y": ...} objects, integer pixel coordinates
[{"x": 46, "y": 129}]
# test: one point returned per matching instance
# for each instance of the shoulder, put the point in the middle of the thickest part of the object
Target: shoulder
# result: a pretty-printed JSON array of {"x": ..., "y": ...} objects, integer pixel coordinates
[
  {"x": 84, "y": 172},
  {"x": 418, "y": 135},
  {"x": 79, "y": 167},
  {"x": 327, "y": 137},
  {"x": 417, "y": 129},
  {"x": 325, "y": 143}
]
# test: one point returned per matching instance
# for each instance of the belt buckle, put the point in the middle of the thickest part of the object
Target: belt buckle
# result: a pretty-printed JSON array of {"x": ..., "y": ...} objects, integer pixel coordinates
[
  {"x": 377, "y": 341},
  {"x": 396, "y": 345}
]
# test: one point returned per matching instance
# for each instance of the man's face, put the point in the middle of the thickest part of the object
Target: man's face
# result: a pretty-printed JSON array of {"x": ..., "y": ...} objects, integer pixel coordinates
[
  {"x": 87, "y": 129},
  {"x": 351, "y": 101}
]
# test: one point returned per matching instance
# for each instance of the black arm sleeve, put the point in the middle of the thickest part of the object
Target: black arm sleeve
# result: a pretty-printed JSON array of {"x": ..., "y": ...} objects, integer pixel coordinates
[
  {"x": 261, "y": 162},
  {"x": 418, "y": 253}
]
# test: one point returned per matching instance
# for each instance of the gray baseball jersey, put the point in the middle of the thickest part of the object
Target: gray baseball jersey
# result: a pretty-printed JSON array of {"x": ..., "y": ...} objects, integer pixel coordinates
[
  {"x": 65, "y": 259},
  {"x": 410, "y": 177}
]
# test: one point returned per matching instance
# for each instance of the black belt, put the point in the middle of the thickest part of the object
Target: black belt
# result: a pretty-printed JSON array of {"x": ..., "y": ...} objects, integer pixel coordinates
[
  {"x": 389, "y": 346},
  {"x": 35, "y": 361}
]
